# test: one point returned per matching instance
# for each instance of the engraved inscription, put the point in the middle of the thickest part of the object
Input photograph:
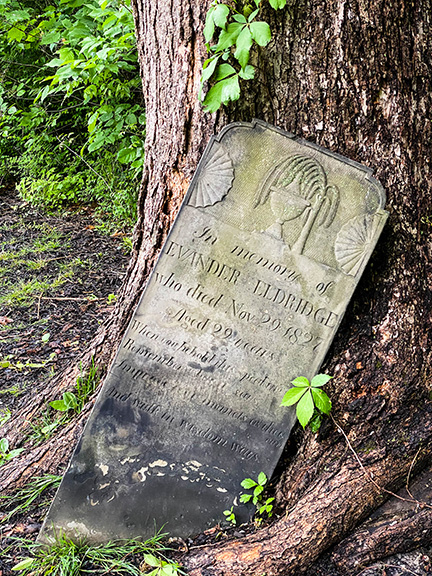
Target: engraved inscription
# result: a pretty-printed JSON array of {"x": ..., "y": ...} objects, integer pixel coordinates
[{"x": 201, "y": 263}]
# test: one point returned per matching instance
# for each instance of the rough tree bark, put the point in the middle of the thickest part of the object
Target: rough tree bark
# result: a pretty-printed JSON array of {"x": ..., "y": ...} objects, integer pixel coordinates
[{"x": 352, "y": 76}]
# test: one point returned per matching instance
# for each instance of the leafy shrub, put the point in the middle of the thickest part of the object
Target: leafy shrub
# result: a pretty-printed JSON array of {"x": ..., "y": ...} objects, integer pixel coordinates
[{"x": 71, "y": 120}]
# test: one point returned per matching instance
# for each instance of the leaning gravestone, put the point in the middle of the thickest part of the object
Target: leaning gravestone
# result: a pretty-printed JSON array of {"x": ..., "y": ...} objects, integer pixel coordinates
[{"x": 247, "y": 294}]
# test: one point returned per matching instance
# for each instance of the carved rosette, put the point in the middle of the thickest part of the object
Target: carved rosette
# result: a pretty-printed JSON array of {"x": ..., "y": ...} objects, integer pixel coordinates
[
  {"x": 215, "y": 179},
  {"x": 353, "y": 242}
]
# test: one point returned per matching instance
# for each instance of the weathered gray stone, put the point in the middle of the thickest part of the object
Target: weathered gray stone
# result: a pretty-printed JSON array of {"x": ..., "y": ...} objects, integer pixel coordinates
[{"x": 247, "y": 294}]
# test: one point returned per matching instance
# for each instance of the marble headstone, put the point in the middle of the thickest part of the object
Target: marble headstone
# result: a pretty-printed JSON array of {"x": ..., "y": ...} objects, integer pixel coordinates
[{"x": 247, "y": 294}]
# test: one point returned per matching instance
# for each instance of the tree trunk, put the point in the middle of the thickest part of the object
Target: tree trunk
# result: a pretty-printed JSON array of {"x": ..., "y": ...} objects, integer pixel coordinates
[{"x": 354, "y": 77}]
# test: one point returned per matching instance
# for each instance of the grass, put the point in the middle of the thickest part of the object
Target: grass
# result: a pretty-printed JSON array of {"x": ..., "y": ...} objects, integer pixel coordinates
[
  {"x": 23, "y": 500},
  {"x": 49, "y": 241},
  {"x": 13, "y": 390},
  {"x": 71, "y": 403},
  {"x": 67, "y": 558},
  {"x": 23, "y": 293},
  {"x": 5, "y": 415},
  {"x": 42, "y": 252}
]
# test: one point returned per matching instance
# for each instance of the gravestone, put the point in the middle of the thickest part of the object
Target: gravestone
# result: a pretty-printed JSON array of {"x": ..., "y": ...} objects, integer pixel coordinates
[{"x": 247, "y": 294}]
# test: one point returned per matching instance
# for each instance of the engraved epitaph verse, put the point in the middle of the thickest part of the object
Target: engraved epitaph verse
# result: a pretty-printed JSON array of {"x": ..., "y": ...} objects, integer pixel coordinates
[{"x": 247, "y": 294}]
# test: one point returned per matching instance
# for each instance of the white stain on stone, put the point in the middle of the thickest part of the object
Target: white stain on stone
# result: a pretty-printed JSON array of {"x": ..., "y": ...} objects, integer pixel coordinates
[
  {"x": 128, "y": 459},
  {"x": 184, "y": 477},
  {"x": 93, "y": 503},
  {"x": 102, "y": 486},
  {"x": 160, "y": 463},
  {"x": 141, "y": 473},
  {"x": 78, "y": 527},
  {"x": 194, "y": 463},
  {"x": 112, "y": 498},
  {"x": 221, "y": 490},
  {"x": 104, "y": 468}
]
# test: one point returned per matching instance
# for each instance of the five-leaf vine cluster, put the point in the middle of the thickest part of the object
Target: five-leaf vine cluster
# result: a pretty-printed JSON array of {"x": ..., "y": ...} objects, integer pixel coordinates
[{"x": 235, "y": 33}]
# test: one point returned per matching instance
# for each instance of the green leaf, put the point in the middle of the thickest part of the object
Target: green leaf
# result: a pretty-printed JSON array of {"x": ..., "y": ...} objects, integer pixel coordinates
[
  {"x": 230, "y": 89},
  {"x": 4, "y": 445},
  {"x": 252, "y": 15},
  {"x": 23, "y": 565},
  {"x": 89, "y": 93},
  {"x": 169, "y": 570},
  {"x": 18, "y": 15},
  {"x": 258, "y": 490},
  {"x": 292, "y": 396},
  {"x": 66, "y": 55},
  {"x": 277, "y": 3},
  {"x": 300, "y": 382},
  {"x": 243, "y": 46},
  {"x": 45, "y": 337},
  {"x": 92, "y": 121},
  {"x": 16, "y": 34},
  {"x": 240, "y": 18},
  {"x": 58, "y": 405},
  {"x": 248, "y": 483},
  {"x": 70, "y": 400},
  {"x": 14, "y": 453},
  {"x": 151, "y": 560},
  {"x": 208, "y": 70},
  {"x": 322, "y": 401},
  {"x": 247, "y": 73},
  {"x": 305, "y": 409},
  {"x": 220, "y": 15},
  {"x": 47, "y": 429},
  {"x": 262, "y": 479},
  {"x": 229, "y": 36},
  {"x": 209, "y": 26},
  {"x": 320, "y": 380},
  {"x": 223, "y": 71},
  {"x": 50, "y": 37},
  {"x": 245, "y": 498},
  {"x": 315, "y": 423},
  {"x": 131, "y": 119},
  {"x": 261, "y": 33},
  {"x": 223, "y": 91},
  {"x": 126, "y": 155}
]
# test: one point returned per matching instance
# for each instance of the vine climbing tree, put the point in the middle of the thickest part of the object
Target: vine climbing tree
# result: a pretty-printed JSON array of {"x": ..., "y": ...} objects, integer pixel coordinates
[{"x": 354, "y": 77}]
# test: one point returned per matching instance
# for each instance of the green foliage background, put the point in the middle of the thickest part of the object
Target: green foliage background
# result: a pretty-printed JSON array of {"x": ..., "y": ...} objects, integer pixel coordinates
[{"x": 71, "y": 111}]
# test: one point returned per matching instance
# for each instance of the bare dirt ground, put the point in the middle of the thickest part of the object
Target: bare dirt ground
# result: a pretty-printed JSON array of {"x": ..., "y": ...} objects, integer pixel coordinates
[{"x": 58, "y": 281}]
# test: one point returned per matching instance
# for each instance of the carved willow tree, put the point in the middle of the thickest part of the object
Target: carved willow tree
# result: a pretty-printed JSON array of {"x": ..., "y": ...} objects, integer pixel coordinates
[{"x": 353, "y": 76}]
